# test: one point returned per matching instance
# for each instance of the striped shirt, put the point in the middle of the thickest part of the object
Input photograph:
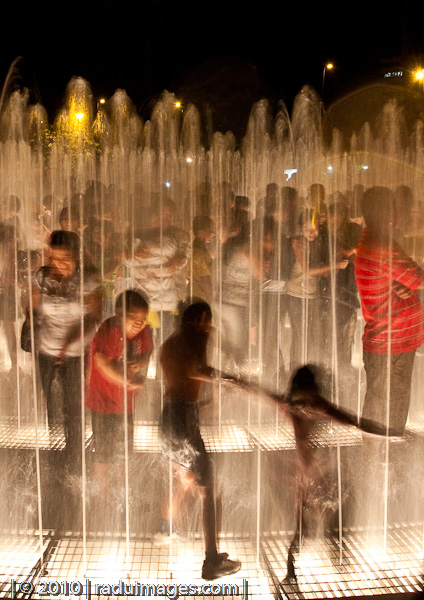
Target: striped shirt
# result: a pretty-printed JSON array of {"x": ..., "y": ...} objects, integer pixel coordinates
[{"x": 393, "y": 325}]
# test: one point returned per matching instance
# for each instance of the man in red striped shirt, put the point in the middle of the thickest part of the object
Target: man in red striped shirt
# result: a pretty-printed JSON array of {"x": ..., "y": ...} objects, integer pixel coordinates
[{"x": 387, "y": 281}]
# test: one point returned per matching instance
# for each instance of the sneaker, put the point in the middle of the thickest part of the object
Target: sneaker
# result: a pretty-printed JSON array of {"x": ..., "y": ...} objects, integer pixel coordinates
[{"x": 221, "y": 566}]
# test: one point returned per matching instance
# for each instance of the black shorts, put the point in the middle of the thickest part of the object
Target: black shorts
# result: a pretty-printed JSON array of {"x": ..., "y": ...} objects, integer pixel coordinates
[
  {"x": 181, "y": 439},
  {"x": 109, "y": 436}
]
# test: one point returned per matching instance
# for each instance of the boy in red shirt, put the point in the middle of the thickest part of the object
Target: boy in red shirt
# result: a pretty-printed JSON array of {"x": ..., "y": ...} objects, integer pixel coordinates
[
  {"x": 387, "y": 281},
  {"x": 120, "y": 354}
]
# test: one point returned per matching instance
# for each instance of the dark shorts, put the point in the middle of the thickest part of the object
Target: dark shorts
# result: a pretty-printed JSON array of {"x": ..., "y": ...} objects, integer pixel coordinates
[
  {"x": 109, "y": 436},
  {"x": 181, "y": 439},
  {"x": 377, "y": 399}
]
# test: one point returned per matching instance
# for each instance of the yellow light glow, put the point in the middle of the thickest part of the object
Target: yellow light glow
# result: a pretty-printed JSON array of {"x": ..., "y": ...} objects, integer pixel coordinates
[
  {"x": 102, "y": 100},
  {"x": 189, "y": 160},
  {"x": 79, "y": 116},
  {"x": 329, "y": 66},
  {"x": 419, "y": 74},
  {"x": 178, "y": 104}
]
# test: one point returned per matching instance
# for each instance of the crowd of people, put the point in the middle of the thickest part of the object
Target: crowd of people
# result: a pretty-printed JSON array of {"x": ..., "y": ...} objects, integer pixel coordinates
[{"x": 99, "y": 299}]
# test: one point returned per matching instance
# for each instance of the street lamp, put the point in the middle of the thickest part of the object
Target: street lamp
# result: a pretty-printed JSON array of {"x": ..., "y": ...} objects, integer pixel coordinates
[
  {"x": 327, "y": 67},
  {"x": 419, "y": 76}
]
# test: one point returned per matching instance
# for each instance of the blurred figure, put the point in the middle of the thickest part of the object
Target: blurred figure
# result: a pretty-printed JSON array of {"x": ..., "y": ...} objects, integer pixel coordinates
[
  {"x": 184, "y": 363},
  {"x": 201, "y": 275},
  {"x": 268, "y": 205},
  {"x": 10, "y": 209},
  {"x": 274, "y": 286},
  {"x": 58, "y": 301},
  {"x": 69, "y": 218},
  {"x": 244, "y": 269},
  {"x": 339, "y": 293},
  {"x": 316, "y": 501},
  {"x": 394, "y": 320},
  {"x": 157, "y": 259},
  {"x": 309, "y": 262},
  {"x": 164, "y": 223},
  {"x": 8, "y": 289},
  {"x": 239, "y": 216},
  {"x": 103, "y": 255}
]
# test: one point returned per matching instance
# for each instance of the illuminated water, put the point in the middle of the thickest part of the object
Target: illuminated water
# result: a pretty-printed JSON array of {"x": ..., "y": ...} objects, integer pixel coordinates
[{"x": 127, "y": 168}]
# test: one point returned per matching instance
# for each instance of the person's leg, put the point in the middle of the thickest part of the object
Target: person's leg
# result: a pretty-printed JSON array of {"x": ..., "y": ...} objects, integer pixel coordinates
[
  {"x": 208, "y": 519},
  {"x": 376, "y": 402},
  {"x": 294, "y": 310},
  {"x": 9, "y": 316},
  {"x": 47, "y": 370},
  {"x": 70, "y": 374},
  {"x": 101, "y": 466},
  {"x": 400, "y": 390}
]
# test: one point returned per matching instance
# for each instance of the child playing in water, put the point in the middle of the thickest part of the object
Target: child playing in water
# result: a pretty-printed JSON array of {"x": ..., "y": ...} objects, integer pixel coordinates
[{"x": 120, "y": 353}]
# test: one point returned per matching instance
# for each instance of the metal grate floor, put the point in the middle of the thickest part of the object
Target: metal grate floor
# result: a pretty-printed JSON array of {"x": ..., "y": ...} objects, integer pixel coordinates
[
  {"x": 225, "y": 438},
  {"x": 110, "y": 558}
]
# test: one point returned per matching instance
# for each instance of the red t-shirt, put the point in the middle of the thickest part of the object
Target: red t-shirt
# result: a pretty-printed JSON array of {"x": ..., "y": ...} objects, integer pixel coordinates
[
  {"x": 103, "y": 395},
  {"x": 377, "y": 269}
]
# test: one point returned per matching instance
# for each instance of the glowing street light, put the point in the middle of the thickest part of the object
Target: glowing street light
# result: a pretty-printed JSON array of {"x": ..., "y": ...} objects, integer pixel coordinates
[
  {"x": 327, "y": 67},
  {"x": 177, "y": 104},
  {"x": 419, "y": 76}
]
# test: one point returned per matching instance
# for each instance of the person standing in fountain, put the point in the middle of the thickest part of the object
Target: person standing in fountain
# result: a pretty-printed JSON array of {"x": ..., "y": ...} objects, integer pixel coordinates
[
  {"x": 201, "y": 275},
  {"x": 183, "y": 360},
  {"x": 59, "y": 298},
  {"x": 343, "y": 237},
  {"x": 310, "y": 262},
  {"x": 394, "y": 320},
  {"x": 117, "y": 374}
]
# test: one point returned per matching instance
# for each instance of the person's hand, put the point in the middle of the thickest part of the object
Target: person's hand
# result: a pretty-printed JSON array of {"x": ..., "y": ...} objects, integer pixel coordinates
[
  {"x": 133, "y": 366},
  {"x": 134, "y": 387},
  {"x": 342, "y": 264},
  {"x": 59, "y": 360},
  {"x": 175, "y": 264}
]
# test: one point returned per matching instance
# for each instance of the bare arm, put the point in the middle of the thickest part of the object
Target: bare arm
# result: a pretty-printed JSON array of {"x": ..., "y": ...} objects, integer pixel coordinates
[
  {"x": 322, "y": 270},
  {"x": 109, "y": 369}
]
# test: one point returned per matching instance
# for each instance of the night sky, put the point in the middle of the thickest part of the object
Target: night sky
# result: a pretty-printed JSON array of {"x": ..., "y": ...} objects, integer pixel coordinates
[{"x": 222, "y": 53}]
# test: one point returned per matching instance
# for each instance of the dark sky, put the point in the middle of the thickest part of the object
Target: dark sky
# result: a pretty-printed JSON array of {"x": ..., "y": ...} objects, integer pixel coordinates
[{"x": 152, "y": 45}]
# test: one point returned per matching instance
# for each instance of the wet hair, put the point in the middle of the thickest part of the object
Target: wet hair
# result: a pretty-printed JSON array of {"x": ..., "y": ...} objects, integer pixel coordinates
[
  {"x": 289, "y": 194},
  {"x": 377, "y": 205},
  {"x": 339, "y": 209},
  {"x": 69, "y": 212},
  {"x": 317, "y": 190},
  {"x": 67, "y": 240},
  {"x": 202, "y": 223},
  {"x": 132, "y": 299},
  {"x": 193, "y": 313},
  {"x": 241, "y": 202},
  {"x": 271, "y": 187}
]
